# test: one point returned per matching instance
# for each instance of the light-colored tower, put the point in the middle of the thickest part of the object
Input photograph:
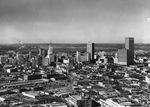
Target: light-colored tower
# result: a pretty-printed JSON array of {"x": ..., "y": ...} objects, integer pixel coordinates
[
  {"x": 50, "y": 50},
  {"x": 78, "y": 56},
  {"x": 90, "y": 49}
]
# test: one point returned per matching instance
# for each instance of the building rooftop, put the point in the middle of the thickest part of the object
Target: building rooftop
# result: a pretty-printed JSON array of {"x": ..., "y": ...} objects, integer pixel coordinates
[
  {"x": 56, "y": 104},
  {"x": 33, "y": 93},
  {"x": 24, "y": 82},
  {"x": 77, "y": 97}
]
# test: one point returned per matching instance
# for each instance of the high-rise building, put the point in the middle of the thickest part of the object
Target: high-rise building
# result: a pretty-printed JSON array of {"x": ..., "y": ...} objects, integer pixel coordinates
[
  {"x": 20, "y": 59},
  {"x": 129, "y": 45},
  {"x": 50, "y": 50},
  {"x": 42, "y": 52},
  {"x": 45, "y": 61},
  {"x": 90, "y": 49},
  {"x": 78, "y": 56},
  {"x": 39, "y": 60},
  {"x": 50, "y": 55},
  {"x": 85, "y": 57},
  {"x": 51, "y": 58},
  {"x": 122, "y": 56},
  {"x": 126, "y": 56}
]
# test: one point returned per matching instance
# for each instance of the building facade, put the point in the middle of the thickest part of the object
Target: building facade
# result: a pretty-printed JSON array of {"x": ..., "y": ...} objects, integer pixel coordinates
[
  {"x": 129, "y": 45},
  {"x": 126, "y": 56},
  {"x": 79, "y": 101},
  {"x": 122, "y": 56},
  {"x": 78, "y": 56},
  {"x": 90, "y": 49}
]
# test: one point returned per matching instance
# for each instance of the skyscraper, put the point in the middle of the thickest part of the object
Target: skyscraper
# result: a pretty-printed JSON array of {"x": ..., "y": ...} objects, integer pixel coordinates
[
  {"x": 122, "y": 56},
  {"x": 126, "y": 56},
  {"x": 90, "y": 49},
  {"x": 78, "y": 56},
  {"x": 50, "y": 50},
  {"x": 50, "y": 54},
  {"x": 129, "y": 45},
  {"x": 42, "y": 52}
]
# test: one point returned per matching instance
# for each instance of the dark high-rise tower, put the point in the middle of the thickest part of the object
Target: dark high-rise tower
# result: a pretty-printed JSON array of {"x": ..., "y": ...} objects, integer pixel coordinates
[
  {"x": 126, "y": 56},
  {"x": 129, "y": 45},
  {"x": 90, "y": 49},
  {"x": 42, "y": 52}
]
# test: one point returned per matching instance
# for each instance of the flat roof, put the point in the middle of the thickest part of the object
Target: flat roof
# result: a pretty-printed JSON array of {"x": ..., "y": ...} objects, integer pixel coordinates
[
  {"x": 77, "y": 97},
  {"x": 58, "y": 104},
  {"x": 33, "y": 93},
  {"x": 24, "y": 82}
]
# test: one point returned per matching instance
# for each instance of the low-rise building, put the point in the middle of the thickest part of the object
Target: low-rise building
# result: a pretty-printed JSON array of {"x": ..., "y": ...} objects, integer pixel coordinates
[{"x": 79, "y": 101}]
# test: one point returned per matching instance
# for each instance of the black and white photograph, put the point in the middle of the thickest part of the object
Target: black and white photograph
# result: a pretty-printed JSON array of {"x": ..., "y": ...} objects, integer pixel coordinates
[{"x": 74, "y": 53}]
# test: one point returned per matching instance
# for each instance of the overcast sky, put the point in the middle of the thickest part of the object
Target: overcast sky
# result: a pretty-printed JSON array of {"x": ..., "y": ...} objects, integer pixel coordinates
[{"x": 74, "y": 21}]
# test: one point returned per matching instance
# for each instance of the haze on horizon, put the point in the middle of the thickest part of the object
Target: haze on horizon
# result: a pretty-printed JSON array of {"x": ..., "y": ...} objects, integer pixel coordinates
[{"x": 74, "y": 21}]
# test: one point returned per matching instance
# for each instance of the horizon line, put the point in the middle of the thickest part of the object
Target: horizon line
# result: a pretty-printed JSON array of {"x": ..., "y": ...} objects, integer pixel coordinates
[{"x": 64, "y": 43}]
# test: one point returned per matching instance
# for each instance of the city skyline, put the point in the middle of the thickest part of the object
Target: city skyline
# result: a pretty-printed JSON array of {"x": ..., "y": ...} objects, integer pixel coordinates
[{"x": 74, "y": 21}]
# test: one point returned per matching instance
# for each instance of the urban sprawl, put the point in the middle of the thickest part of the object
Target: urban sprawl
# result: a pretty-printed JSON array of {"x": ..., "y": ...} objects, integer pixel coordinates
[{"x": 44, "y": 78}]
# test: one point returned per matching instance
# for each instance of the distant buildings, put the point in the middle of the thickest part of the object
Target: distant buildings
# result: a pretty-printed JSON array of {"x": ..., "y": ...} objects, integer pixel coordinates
[
  {"x": 126, "y": 56},
  {"x": 85, "y": 57},
  {"x": 39, "y": 61},
  {"x": 129, "y": 45},
  {"x": 50, "y": 58},
  {"x": 50, "y": 50},
  {"x": 42, "y": 52},
  {"x": 88, "y": 55},
  {"x": 3, "y": 59},
  {"x": 32, "y": 77},
  {"x": 78, "y": 56},
  {"x": 20, "y": 59},
  {"x": 122, "y": 56},
  {"x": 51, "y": 79},
  {"x": 82, "y": 57},
  {"x": 90, "y": 49}
]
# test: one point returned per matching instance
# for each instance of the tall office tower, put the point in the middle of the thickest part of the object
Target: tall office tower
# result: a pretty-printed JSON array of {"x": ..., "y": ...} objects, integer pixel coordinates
[
  {"x": 42, "y": 52},
  {"x": 122, "y": 56},
  {"x": 50, "y": 55},
  {"x": 129, "y": 45},
  {"x": 90, "y": 49},
  {"x": 39, "y": 61},
  {"x": 126, "y": 56},
  {"x": 78, "y": 56},
  {"x": 20, "y": 59},
  {"x": 50, "y": 50}
]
